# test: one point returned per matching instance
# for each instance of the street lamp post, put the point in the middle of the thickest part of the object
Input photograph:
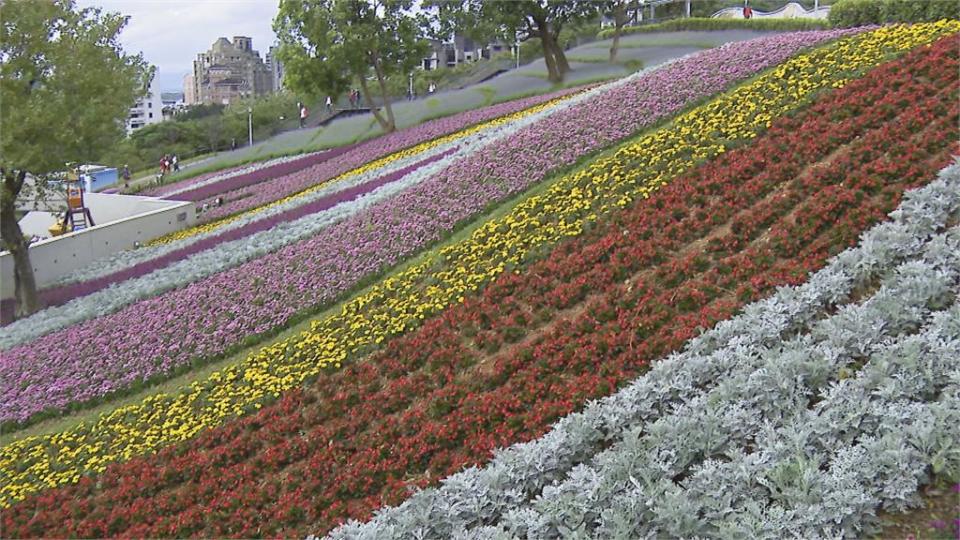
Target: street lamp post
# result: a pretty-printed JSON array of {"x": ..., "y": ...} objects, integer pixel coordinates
[
  {"x": 250, "y": 126},
  {"x": 516, "y": 43}
]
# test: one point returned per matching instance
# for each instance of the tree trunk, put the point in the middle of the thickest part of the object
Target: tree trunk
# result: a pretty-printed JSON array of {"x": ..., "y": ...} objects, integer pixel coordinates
[
  {"x": 553, "y": 72},
  {"x": 563, "y": 67},
  {"x": 366, "y": 95},
  {"x": 619, "y": 18},
  {"x": 378, "y": 69},
  {"x": 562, "y": 63},
  {"x": 539, "y": 29},
  {"x": 24, "y": 283}
]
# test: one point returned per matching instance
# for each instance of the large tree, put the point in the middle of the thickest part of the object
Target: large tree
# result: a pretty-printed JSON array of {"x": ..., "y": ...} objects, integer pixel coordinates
[
  {"x": 526, "y": 19},
  {"x": 326, "y": 45},
  {"x": 65, "y": 91},
  {"x": 619, "y": 10}
]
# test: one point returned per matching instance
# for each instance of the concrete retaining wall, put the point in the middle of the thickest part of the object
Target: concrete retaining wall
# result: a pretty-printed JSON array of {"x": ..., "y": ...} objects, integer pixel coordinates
[{"x": 56, "y": 257}]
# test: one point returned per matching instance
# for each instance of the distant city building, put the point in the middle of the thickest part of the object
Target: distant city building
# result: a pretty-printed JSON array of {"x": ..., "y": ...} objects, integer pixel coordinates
[
  {"x": 172, "y": 102},
  {"x": 147, "y": 110},
  {"x": 276, "y": 68},
  {"x": 461, "y": 49},
  {"x": 171, "y": 99},
  {"x": 634, "y": 17},
  {"x": 230, "y": 71},
  {"x": 189, "y": 90}
]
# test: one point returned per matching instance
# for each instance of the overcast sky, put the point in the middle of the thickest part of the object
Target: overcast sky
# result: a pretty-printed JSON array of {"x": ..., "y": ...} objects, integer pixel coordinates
[{"x": 171, "y": 33}]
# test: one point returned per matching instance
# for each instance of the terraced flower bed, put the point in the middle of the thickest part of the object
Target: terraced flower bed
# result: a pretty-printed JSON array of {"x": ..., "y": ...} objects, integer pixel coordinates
[
  {"x": 746, "y": 430},
  {"x": 128, "y": 264},
  {"x": 205, "y": 270},
  {"x": 367, "y": 152},
  {"x": 444, "y": 396},
  {"x": 253, "y": 299}
]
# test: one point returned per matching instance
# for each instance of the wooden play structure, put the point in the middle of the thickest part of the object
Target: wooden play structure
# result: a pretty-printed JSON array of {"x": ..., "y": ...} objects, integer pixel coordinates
[{"x": 77, "y": 217}]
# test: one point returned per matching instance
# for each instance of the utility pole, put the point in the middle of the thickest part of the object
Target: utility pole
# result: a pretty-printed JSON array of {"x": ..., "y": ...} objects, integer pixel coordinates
[
  {"x": 250, "y": 125},
  {"x": 516, "y": 42}
]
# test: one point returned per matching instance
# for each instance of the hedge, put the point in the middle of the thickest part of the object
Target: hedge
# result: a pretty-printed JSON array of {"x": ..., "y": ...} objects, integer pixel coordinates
[
  {"x": 703, "y": 23},
  {"x": 847, "y": 13}
]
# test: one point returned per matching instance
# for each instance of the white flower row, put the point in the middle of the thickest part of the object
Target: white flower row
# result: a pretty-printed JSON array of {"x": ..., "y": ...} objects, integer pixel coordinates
[
  {"x": 230, "y": 174},
  {"x": 230, "y": 254},
  {"x": 717, "y": 439},
  {"x": 870, "y": 443},
  {"x": 482, "y": 496},
  {"x": 125, "y": 259}
]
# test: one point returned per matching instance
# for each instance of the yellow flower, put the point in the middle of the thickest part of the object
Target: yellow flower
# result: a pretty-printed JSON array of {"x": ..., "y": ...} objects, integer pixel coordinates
[{"x": 446, "y": 275}]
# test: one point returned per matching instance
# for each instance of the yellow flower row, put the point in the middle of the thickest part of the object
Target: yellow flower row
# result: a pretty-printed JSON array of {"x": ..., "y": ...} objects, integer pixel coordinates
[
  {"x": 373, "y": 165},
  {"x": 398, "y": 303}
]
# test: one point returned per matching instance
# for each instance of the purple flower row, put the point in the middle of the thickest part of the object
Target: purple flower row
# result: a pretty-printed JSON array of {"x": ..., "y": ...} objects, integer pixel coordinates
[
  {"x": 266, "y": 192},
  {"x": 289, "y": 173},
  {"x": 159, "y": 191},
  {"x": 60, "y": 295},
  {"x": 259, "y": 175},
  {"x": 211, "y": 316},
  {"x": 376, "y": 147}
]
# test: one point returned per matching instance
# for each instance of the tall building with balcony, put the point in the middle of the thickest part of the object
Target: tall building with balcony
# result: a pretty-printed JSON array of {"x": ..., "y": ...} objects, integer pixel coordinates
[
  {"x": 147, "y": 110},
  {"x": 229, "y": 71}
]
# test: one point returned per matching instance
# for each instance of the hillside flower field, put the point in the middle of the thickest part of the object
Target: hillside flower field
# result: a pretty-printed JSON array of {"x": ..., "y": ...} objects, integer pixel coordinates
[
  {"x": 255, "y": 297},
  {"x": 715, "y": 298}
]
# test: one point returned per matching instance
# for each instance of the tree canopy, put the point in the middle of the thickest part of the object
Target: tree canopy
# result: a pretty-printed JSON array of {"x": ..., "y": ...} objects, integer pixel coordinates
[
  {"x": 67, "y": 86},
  {"x": 329, "y": 45},
  {"x": 524, "y": 19},
  {"x": 65, "y": 92}
]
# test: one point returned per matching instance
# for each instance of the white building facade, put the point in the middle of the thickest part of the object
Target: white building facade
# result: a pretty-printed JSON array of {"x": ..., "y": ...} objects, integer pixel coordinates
[{"x": 147, "y": 110}]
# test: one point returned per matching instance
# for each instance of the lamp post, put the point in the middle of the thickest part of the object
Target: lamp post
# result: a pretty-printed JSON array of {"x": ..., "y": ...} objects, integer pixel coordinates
[
  {"x": 516, "y": 43},
  {"x": 250, "y": 126}
]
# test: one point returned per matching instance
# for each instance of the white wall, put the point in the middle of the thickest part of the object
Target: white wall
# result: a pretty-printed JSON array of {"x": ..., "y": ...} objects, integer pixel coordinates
[
  {"x": 147, "y": 110},
  {"x": 107, "y": 207},
  {"x": 104, "y": 208},
  {"x": 56, "y": 257}
]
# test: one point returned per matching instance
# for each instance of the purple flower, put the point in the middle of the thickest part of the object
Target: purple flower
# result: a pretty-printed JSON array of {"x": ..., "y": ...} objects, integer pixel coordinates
[{"x": 214, "y": 316}]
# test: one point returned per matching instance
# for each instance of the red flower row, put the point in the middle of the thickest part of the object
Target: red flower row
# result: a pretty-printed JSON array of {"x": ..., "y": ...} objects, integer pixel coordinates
[{"x": 571, "y": 327}]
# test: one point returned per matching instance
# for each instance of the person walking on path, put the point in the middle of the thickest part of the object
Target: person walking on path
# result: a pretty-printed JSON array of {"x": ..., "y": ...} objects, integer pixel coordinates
[
  {"x": 303, "y": 115},
  {"x": 329, "y": 104},
  {"x": 176, "y": 163},
  {"x": 126, "y": 177}
]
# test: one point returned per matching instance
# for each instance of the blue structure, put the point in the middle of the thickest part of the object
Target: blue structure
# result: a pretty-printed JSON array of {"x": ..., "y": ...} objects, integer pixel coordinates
[{"x": 98, "y": 177}]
